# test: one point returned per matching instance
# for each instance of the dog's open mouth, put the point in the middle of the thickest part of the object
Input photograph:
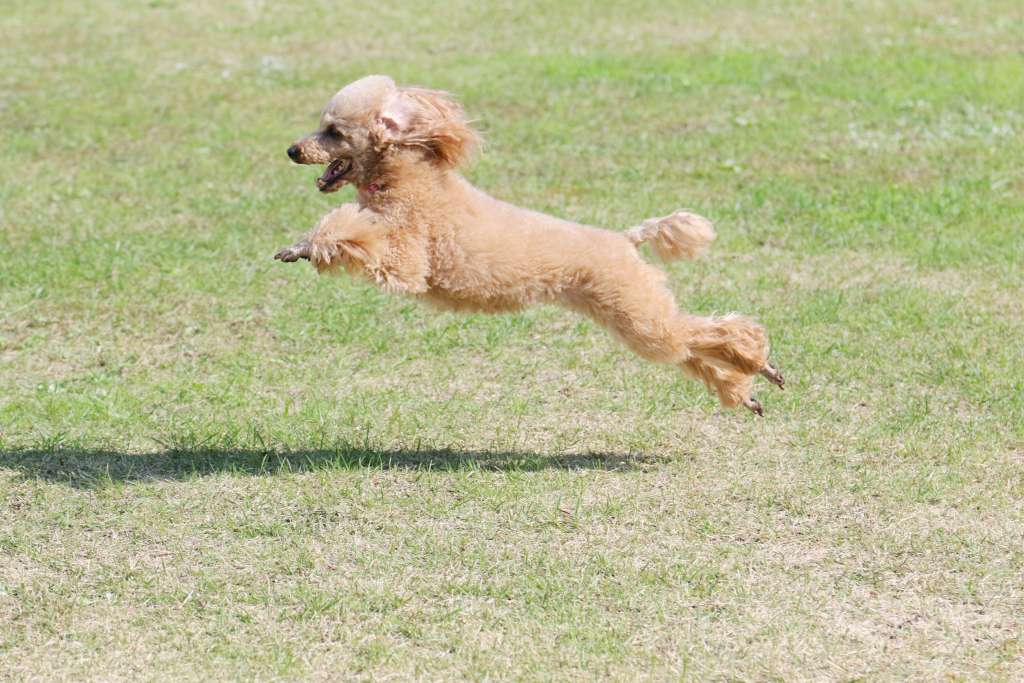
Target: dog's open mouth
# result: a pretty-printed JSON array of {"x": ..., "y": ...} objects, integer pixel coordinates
[{"x": 334, "y": 176}]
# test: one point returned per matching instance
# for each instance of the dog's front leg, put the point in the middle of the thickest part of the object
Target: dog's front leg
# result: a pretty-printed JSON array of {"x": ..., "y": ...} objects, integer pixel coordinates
[
  {"x": 299, "y": 250},
  {"x": 347, "y": 237}
]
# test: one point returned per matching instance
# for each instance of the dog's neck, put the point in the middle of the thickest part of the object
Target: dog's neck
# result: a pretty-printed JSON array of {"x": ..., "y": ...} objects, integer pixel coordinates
[{"x": 398, "y": 179}]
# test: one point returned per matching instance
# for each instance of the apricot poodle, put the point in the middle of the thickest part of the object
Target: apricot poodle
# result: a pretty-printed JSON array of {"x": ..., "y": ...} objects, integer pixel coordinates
[{"x": 420, "y": 229}]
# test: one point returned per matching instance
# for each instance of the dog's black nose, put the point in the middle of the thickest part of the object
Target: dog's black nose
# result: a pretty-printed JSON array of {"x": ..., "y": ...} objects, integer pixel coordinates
[{"x": 293, "y": 153}]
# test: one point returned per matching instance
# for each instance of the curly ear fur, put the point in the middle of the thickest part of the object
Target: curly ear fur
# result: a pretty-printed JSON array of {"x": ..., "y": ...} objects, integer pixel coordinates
[{"x": 431, "y": 120}]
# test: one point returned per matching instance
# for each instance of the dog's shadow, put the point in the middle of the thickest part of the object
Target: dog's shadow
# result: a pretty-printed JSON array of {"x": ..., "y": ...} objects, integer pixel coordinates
[{"x": 97, "y": 468}]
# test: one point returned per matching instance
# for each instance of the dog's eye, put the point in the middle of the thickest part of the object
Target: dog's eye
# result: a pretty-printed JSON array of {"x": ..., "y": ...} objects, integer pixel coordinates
[{"x": 335, "y": 133}]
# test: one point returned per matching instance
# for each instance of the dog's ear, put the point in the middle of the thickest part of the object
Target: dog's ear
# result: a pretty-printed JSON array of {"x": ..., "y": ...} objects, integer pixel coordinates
[
  {"x": 429, "y": 119},
  {"x": 395, "y": 117}
]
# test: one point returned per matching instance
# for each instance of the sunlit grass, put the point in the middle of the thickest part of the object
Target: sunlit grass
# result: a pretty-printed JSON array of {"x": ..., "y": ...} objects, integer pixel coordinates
[{"x": 213, "y": 465}]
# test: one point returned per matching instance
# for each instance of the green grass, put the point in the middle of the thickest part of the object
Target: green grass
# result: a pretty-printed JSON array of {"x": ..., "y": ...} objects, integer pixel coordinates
[{"x": 213, "y": 465}]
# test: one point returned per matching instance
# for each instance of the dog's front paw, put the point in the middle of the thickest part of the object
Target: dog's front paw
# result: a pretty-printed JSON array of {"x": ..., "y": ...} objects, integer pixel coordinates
[{"x": 299, "y": 250}]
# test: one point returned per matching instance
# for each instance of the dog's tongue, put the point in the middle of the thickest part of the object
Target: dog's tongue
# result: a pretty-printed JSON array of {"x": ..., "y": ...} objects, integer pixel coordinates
[{"x": 330, "y": 174}]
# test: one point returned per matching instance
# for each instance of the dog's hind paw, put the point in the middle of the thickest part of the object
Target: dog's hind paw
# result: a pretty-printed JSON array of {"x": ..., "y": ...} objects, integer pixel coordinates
[
  {"x": 773, "y": 375},
  {"x": 299, "y": 250},
  {"x": 754, "y": 406}
]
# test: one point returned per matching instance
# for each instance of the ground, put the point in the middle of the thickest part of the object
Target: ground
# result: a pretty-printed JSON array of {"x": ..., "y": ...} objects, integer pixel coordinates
[{"x": 213, "y": 465}]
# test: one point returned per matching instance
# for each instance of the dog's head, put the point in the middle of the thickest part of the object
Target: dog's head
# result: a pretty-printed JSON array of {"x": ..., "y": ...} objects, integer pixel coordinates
[{"x": 369, "y": 119}]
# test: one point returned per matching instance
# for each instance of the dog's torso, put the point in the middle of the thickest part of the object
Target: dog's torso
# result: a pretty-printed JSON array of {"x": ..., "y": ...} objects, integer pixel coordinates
[{"x": 458, "y": 248}]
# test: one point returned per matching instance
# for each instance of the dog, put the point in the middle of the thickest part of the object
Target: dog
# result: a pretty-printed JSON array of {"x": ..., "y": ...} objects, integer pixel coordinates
[{"x": 420, "y": 229}]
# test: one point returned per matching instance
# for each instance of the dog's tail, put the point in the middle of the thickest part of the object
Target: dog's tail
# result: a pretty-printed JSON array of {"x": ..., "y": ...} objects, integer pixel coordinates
[{"x": 676, "y": 236}]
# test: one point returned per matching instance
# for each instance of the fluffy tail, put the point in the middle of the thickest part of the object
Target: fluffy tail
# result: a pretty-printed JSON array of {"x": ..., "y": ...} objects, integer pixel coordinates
[{"x": 679, "y": 235}]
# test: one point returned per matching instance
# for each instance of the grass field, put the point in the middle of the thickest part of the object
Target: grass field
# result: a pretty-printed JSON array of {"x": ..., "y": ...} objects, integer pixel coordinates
[{"x": 213, "y": 465}]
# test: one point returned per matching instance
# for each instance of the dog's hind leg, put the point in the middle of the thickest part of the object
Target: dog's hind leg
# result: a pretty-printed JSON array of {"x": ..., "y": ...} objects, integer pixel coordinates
[{"x": 726, "y": 354}]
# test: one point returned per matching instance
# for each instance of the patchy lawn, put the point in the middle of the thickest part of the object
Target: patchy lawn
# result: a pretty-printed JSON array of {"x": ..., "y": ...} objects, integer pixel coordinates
[{"x": 216, "y": 466}]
